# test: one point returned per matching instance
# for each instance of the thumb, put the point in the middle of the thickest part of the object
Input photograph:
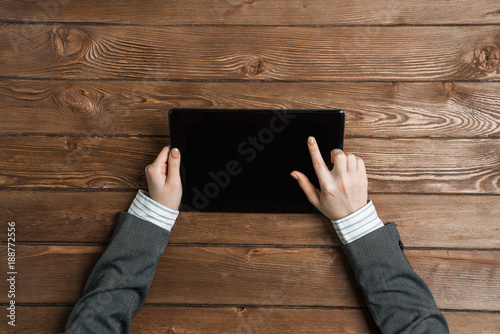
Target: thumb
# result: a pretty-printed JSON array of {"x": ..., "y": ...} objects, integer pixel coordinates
[
  {"x": 307, "y": 187},
  {"x": 173, "y": 166}
]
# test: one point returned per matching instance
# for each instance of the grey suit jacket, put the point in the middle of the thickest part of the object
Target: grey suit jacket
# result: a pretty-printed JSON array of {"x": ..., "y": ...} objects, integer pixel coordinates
[
  {"x": 117, "y": 288},
  {"x": 120, "y": 281},
  {"x": 398, "y": 299}
]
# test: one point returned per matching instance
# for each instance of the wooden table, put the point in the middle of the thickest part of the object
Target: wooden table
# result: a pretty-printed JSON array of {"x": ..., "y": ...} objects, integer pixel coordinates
[{"x": 85, "y": 88}]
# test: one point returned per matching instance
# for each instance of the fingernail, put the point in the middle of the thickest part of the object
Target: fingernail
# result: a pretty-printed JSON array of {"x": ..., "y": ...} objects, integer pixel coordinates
[
  {"x": 294, "y": 176},
  {"x": 175, "y": 153},
  {"x": 310, "y": 140}
]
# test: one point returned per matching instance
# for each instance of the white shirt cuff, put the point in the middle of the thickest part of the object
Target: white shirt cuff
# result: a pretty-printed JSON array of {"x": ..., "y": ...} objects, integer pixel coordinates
[
  {"x": 148, "y": 209},
  {"x": 358, "y": 224}
]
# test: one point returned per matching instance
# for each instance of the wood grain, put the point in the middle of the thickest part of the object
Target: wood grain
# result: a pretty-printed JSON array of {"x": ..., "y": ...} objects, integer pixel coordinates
[
  {"x": 429, "y": 166},
  {"x": 250, "y": 53},
  {"x": 63, "y": 216},
  {"x": 53, "y": 216},
  {"x": 208, "y": 320},
  {"x": 179, "y": 320},
  {"x": 84, "y": 95},
  {"x": 257, "y": 276},
  {"x": 184, "y": 320},
  {"x": 254, "y": 12},
  {"x": 82, "y": 162},
  {"x": 375, "y": 109},
  {"x": 394, "y": 165},
  {"x": 253, "y": 320}
]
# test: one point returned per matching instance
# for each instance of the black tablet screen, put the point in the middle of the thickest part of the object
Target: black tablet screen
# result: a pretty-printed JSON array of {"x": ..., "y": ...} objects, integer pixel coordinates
[{"x": 241, "y": 160}]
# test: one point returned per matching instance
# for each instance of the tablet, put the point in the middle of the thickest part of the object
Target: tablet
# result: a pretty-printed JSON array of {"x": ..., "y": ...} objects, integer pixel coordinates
[{"x": 240, "y": 160}]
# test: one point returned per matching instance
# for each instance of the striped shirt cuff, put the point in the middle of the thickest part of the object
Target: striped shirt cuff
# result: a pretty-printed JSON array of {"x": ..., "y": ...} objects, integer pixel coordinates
[
  {"x": 357, "y": 224},
  {"x": 147, "y": 209}
]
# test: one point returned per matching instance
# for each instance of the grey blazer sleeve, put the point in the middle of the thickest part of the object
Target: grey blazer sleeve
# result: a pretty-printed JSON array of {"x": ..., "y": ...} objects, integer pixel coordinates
[
  {"x": 398, "y": 299},
  {"x": 120, "y": 281}
]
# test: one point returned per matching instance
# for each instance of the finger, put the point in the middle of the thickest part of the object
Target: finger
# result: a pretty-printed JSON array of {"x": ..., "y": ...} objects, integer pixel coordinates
[
  {"x": 361, "y": 168},
  {"x": 173, "y": 166},
  {"x": 318, "y": 163},
  {"x": 307, "y": 187},
  {"x": 162, "y": 158},
  {"x": 351, "y": 164},
  {"x": 339, "y": 161}
]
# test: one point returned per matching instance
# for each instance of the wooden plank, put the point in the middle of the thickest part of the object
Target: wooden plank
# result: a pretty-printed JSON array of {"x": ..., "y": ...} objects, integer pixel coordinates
[
  {"x": 63, "y": 216},
  {"x": 394, "y": 165},
  {"x": 473, "y": 322},
  {"x": 250, "y": 53},
  {"x": 48, "y": 319},
  {"x": 443, "y": 221},
  {"x": 460, "y": 280},
  {"x": 378, "y": 109},
  {"x": 430, "y": 166},
  {"x": 154, "y": 319},
  {"x": 159, "y": 320},
  {"x": 82, "y": 162},
  {"x": 253, "y": 320},
  {"x": 48, "y": 216},
  {"x": 450, "y": 274},
  {"x": 254, "y": 12}
]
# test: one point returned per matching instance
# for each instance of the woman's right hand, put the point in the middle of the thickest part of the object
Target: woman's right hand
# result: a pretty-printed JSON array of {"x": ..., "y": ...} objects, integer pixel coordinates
[{"x": 344, "y": 189}]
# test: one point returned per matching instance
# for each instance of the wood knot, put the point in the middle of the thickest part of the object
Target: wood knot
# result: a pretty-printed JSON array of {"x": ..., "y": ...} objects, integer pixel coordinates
[
  {"x": 70, "y": 145},
  {"x": 448, "y": 86},
  {"x": 256, "y": 67},
  {"x": 487, "y": 59},
  {"x": 69, "y": 42},
  {"x": 75, "y": 100},
  {"x": 80, "y": 147},
  {"x": 255, "y": 252},
  {"x": 241, "y": 309},
  {"x": 495, "y": 12}
]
